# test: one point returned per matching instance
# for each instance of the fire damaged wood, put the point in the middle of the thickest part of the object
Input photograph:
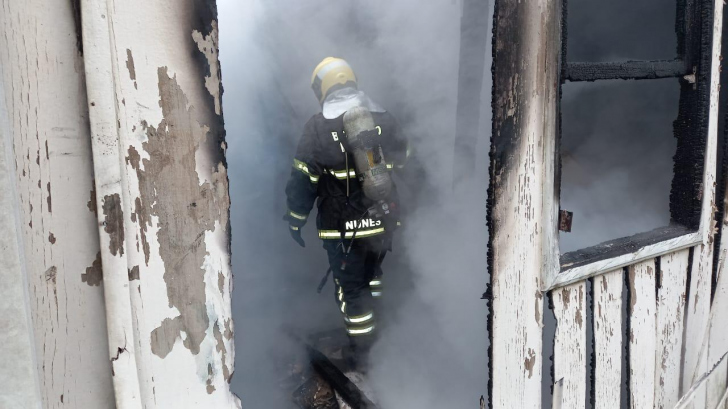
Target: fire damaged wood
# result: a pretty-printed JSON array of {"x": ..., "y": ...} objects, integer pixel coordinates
[
  {"x": 626, "y": 70},
  {"x": 704, "y": 41},
  {"x": 522, "y": 209},
  {"x": 718, "y": 342},
  {"x": 315, "y": 393},
  {"x": 300, "y": 381},
  {"x": 624, "y": 245},
  {"x": 692, "y": 191},
  {"x": 338, "y": 381},
  {"x": 565, "y": 220},
  {"x": 695, "y": 41}
]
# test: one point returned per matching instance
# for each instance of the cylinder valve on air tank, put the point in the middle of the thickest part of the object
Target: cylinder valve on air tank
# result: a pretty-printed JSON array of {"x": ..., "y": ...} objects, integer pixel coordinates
[{"x": 371, "y": 168}]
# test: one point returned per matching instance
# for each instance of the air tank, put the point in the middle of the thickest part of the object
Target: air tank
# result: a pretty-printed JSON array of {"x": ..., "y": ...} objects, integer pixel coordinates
[{"x": 363, "y": 139}]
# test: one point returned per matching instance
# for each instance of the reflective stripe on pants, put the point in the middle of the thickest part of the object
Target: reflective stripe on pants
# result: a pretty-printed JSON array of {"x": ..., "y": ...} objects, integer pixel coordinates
[{"x": 356, "y": 287}]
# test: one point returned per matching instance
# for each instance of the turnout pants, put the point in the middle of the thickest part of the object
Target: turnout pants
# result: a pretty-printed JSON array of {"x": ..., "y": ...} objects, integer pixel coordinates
[{"x": 358, "y": 280}]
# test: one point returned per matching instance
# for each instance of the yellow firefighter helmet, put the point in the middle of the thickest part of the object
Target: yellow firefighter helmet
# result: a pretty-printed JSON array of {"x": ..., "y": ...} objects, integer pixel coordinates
[{"x": 328, "y": 74}]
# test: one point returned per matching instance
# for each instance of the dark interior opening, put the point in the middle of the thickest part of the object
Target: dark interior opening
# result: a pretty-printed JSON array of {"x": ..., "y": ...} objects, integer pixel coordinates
[
  {"x": 617, "y": 149},
  {"x": 673, "y": 67},
  {"x": 615, "y": 30}
]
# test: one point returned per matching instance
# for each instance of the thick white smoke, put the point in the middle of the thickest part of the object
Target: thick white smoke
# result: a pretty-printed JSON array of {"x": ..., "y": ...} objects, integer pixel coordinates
[
  {"x": 617, "y": 145},
  {"x": 433, "y": 352}
]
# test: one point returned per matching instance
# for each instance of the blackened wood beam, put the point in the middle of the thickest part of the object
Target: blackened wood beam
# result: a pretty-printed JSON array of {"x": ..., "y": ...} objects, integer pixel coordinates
[
  {"x": 347, "y": 389},
  {"x": 626, "y": 70},
  {"x": 340, "y": 382},
  {"x": 522, "y": 207}
]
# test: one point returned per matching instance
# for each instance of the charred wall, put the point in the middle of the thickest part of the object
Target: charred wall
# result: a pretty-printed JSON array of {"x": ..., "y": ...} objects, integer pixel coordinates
[{"x": 691, "y": 126}]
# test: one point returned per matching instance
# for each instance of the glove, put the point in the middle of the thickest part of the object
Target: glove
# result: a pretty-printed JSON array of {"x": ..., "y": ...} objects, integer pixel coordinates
[
  {"x": 294, "y": 227},
  {"x": 296, "y": 234}
]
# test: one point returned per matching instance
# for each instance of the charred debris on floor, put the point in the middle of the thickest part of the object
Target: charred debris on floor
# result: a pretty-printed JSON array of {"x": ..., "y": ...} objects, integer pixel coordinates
[{"x": 316, "y": 375}]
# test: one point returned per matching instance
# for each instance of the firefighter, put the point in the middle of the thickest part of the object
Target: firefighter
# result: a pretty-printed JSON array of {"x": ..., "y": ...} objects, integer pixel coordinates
[{"x": 355, "y": 238}]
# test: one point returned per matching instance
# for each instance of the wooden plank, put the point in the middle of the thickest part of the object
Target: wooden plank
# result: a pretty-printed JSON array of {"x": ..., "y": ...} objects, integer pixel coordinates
[
  {"x": 707, "y": 214},
  {"x": 171, "y": 133},
  {"x": 46, "y": 128},
  {"x": 18, "y": 373},
  {"x": 695, "y": 360},
  {"x": 557, "y": 397},
  {"x": 697, "y": 316},
  {"x": 608, "y": 339},
  {"x": 624, "y": 245},
  {"x": 570, "y": 343},
  {"x": 715, "y": 388},
  {"x": 670, "y": 320},
  {"x": 104, "y": 124},
  {"x": 520, "y": 194},
  {"x": 695, "y": 396},
  {"x": 723, "y": 401},
  {"x": 625, "y": 70},
  {"x": 718, "y": 336},
  {"x": 551, "y": 171},
  {"x": 642, "y": 334},
  {"x": 348, "y": 390},
  {"x": 572, "y": 271}
]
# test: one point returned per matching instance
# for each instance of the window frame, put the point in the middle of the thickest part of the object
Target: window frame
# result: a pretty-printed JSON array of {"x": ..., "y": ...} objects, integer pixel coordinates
[{"x": 698, "y": 65}]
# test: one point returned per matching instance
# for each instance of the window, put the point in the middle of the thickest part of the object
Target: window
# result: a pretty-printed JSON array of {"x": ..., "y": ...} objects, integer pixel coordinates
[
  {"x": 615, "y": 30},
  {"x": 605, "y": 123},
  {"x": 617, "y": 149}
]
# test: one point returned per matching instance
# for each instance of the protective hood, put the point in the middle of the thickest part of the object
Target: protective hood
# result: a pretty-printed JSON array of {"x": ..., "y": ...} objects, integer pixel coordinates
[{"x": 342, "y": 100}]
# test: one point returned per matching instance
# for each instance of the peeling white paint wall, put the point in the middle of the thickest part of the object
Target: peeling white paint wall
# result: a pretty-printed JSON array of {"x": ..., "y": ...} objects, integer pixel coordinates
[
  {"x": 521, "y": 190},
  {"x": 664, "y": 358},
  {"x": 175, "y": 195},
  {"x": 44, "y": 100},
  {"x": 18, "y": 381},
  {"x": 164, "y": 226}
]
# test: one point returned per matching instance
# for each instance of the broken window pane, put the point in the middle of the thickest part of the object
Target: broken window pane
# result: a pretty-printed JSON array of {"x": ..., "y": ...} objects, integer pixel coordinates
[
  {"x": 617, "y": 30},
  {"x": 617, "y": 151}
]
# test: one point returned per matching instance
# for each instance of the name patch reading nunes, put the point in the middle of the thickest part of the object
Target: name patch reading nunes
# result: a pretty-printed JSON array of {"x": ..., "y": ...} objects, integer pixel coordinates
[{"x": 363, "y": 224}]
